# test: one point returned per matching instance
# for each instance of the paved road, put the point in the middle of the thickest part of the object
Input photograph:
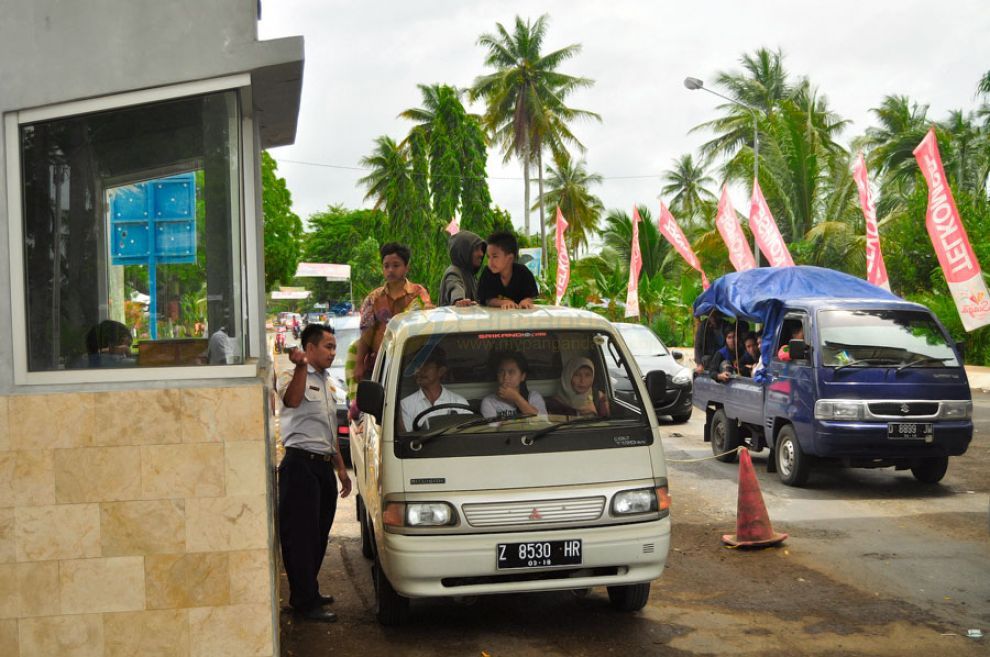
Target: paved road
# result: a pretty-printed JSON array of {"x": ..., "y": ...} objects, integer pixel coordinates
[{"x": 876, "y": 565}]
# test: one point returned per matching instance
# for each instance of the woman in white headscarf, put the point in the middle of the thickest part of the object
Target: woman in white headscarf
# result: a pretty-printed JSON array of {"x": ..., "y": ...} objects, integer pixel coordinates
[{"x": 577, "y": 394}]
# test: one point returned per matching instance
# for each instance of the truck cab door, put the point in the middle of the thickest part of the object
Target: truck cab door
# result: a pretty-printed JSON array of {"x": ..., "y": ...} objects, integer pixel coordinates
[{"x": 790, "y": 392}]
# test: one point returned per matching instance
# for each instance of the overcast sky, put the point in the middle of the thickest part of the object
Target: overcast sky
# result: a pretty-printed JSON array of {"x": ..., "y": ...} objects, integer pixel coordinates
[{"x": 364, "y": 60}]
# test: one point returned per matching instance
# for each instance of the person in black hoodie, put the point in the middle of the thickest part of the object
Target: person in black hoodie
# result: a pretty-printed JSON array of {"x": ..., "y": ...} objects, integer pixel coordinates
[{"x": 459, "y": 285}]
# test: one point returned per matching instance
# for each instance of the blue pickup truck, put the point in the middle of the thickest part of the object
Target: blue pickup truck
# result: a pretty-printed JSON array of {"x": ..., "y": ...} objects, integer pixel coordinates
[{"x": 874, "y": 382}]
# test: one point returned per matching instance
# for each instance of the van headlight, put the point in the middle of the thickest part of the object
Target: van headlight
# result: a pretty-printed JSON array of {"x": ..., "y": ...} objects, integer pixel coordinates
[
  {"x": 956, "y": 410},
  {"x": 683, "y": 377},
  {"x": 641, "y": 500},
  {"x": 419, "y": 514},
  {"x": 841, "y": 410}
]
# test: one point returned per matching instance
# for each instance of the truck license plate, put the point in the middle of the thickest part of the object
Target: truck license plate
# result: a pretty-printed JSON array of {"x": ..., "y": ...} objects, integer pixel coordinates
[
  {"x": 911, "y": 431},
  {"x": 538, "y": 554}
]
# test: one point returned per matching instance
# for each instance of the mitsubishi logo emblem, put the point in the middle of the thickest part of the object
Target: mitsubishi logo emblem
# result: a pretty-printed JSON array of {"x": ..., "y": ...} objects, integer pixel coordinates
[
  {"x": 536, "y": 515},
  {"x": 905, "y": 409}
]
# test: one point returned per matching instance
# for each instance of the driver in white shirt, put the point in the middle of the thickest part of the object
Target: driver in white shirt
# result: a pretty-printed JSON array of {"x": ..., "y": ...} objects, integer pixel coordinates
[{"x": 431, "y": 392}]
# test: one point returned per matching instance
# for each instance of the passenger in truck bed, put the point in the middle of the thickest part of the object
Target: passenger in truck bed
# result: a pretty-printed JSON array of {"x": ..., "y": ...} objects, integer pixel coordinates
[{"x": 724, "y": 363}]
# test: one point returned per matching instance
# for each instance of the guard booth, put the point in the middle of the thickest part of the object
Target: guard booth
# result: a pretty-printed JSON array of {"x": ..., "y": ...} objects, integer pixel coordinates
[{"x": 136, "y": 492}]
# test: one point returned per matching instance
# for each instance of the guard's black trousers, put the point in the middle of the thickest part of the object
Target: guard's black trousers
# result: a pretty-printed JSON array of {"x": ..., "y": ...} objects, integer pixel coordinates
[{"x": 307, "y": 502}]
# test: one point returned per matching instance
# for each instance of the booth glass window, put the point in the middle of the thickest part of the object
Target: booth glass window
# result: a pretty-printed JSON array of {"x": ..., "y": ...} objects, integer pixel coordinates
[{"x": 131, "y": 236}]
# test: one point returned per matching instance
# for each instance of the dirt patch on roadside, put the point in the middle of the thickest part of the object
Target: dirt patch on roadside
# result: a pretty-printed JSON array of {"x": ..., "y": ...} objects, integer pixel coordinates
[{"x": 772, "y": 582}]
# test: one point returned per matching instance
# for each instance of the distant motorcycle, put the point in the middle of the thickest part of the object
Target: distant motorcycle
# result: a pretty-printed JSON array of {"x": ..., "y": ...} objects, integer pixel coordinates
[{"x": 280, "y": 341}]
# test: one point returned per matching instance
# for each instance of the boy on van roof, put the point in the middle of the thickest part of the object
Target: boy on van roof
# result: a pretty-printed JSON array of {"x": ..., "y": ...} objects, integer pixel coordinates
[{"x": 505, "y": 283}]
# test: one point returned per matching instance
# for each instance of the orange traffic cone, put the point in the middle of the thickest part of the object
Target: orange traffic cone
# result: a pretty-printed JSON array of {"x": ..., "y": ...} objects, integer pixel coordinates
[{"x": 752, "y": 522}]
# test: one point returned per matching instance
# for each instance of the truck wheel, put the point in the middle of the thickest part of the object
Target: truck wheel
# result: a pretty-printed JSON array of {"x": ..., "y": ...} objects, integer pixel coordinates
[
  {"x": 725, "y": 437},
  {"x": 391, "y": 608},
  {"x": 930, "y": 471},
  {"x": 629, "y": 598},
  {"x": 682, "y": 418},
  {"x": 367, "y": 549},
  {"x": 793, "y": 465}
]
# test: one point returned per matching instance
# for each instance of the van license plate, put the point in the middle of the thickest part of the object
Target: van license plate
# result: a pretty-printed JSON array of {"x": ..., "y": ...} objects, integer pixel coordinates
[
  {"x": 911, "y": 431},
  {"x": 538, "y": 554}
]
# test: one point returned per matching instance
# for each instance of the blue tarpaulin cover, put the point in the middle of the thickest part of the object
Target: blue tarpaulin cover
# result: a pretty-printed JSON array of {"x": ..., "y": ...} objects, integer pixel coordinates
[{"x": 758, "y": 295}]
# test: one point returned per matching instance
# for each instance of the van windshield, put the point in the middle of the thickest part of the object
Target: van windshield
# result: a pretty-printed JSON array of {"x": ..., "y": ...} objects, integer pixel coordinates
[
  {"x": 883, "y": 338},
  {"x": 471, "y": 394}
]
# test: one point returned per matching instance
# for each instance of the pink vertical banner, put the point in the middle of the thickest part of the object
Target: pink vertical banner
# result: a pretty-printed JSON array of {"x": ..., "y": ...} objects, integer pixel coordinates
[
  {"x": 876, "y": 270},
  {"x": 563, "y": 259},
  {"x": 735, "y": 240},
  {"x": 668, "y": 227},
  {"x": 767, "y": 233},
  {"x": 635, "y": 265},
  {"x": 453, "y": 227},
  {"x": 962, "y": 270}
]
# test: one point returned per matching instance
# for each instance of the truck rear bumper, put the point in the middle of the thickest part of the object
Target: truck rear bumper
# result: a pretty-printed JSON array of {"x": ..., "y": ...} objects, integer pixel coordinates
[{"x": 868, "y": 440}]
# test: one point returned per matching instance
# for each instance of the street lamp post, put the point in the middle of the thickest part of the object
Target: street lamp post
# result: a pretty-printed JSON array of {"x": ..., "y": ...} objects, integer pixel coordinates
[{"x": 694, "y": 84}]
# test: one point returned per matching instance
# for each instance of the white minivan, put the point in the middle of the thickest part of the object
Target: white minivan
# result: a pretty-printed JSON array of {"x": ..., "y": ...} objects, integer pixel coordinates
[{"x": 483, "y": 494}]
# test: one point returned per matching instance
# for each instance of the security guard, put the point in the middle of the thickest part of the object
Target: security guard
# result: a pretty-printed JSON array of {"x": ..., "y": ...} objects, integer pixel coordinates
[{"x": 307, "y": 491}]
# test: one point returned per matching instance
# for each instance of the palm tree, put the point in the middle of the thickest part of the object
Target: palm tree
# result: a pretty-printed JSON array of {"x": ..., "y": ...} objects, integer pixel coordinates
[
  {"x": 891, "y": 144},
  {"x": 389, "y": 181},
  {"x": 617, "y": 236},
  {"x": 423, "y": 116},
  {"x": 799, "y": 159},
  {"x": 525, "y": 98},
  {"x": 966, "y": 153},
  {"x": 762, "y": 84},
  {"x": 983, "y": 87},
  {"x": 568, "y": 185},
  {"x": 800, "y": 156},
  {"x": 687, "y": 189}
]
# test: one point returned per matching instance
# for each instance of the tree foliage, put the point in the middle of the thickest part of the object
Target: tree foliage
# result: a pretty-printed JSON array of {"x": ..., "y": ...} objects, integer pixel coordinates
[{"x": 283, "y": 228}]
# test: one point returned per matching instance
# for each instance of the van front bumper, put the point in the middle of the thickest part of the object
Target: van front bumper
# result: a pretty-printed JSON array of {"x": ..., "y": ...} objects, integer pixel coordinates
[
  {"x": 457, "y": 565},
  {"x": 868, "y": 440}
]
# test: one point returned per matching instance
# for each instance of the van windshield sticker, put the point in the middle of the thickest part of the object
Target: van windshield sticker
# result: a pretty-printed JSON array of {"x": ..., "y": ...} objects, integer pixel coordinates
[{"x": 522, "y": 334}]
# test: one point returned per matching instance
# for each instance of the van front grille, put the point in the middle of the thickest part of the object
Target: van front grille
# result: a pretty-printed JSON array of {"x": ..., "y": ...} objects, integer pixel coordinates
[
  {"x": 904, "y": 409},
  {"x": 539, "y": 512}
]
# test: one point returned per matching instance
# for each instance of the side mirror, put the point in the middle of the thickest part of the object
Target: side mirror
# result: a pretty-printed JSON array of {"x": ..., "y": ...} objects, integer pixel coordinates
[
  {"x": 677, "y": 355},
  {"x": 961, "y": 348},
  {"x": 656, "y": 386},
  {"x": 798, "y": 349},
  {"x": 371, "y": 399}
]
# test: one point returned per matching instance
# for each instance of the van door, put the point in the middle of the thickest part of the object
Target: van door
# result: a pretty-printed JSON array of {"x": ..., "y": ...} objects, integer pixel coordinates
[
  {"x": 790, "y": 393},
  {"x": 371, "y": 438}
]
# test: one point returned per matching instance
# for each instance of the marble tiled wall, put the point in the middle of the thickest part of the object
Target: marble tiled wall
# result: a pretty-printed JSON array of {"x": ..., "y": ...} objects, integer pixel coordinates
[{"x": 135, "y": 523}]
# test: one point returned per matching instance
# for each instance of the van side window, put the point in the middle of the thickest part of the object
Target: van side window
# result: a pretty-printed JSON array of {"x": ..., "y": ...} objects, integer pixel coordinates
[{"x": 791, "y": 328}]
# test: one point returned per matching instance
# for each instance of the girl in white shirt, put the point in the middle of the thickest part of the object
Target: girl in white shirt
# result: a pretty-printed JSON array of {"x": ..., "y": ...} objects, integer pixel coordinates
[{"x": 512, "y": 397}]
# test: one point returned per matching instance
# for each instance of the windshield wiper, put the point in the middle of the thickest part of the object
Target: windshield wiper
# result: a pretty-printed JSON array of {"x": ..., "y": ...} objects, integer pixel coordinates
[
  {"x": 583, "y": 419},
  {"x": 925, "y": 359},
  {"x": 417, "y": 443},
  {"x": 869, "y": 361}
]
